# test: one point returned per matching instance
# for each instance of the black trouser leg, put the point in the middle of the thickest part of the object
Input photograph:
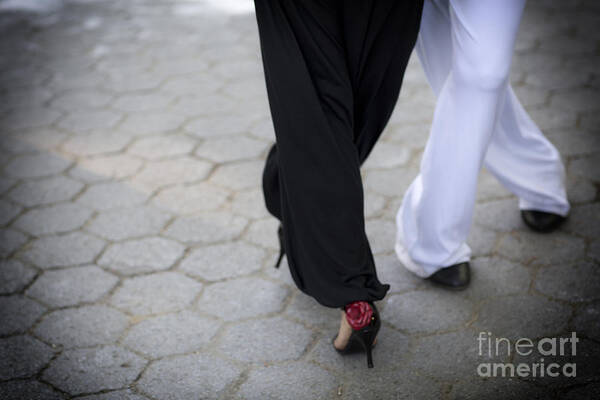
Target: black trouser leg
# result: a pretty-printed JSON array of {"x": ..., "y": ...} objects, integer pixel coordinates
[{"x": 333, "y": 70}]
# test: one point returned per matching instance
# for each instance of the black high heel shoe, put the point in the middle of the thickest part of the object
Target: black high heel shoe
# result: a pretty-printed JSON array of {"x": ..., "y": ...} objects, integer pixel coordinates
[
  {"x": 281, "y": 245},
  {"x": 363, "y": 338}
]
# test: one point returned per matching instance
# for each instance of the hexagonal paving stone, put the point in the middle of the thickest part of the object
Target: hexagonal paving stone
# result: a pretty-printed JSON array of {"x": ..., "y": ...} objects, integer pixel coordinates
[
  {"x": 96, "y": 143},
  {"x": 575, "y": 142},
  {"x": 81, "y": 99},
  {"x": 242, "y": 298},
  {"x": 391, "y": 271},
  {"x": 289, "y": 381},
  {"x": 204, "y": 83},
  {"x": 589, "y": 121},
  {"x": 389, "y": 182},
  {"x": 504, "y": 317},
  {"x": 91, "y": 370},
  {"x": 141, "y": 255},
  {"x": 35, "y": 140},
  {"x": 141, "y": 102},
  {"x": 387, "y": 155},
  {"x": 576, "y": 100},
  {"x": 71, "y": 286},
  {"x": 215, "y": 111},
  {"x": 82, "y": 327},
  {"x": 190, "y": 199},
  {"x": 58, "y": 251},
  {"x": 100, "y": 168},
  {"x": 411, "y": 136},
  {"x": 6, "y": 183},
  {"x": 8, "y": 211},
  {"x": 264, "y": 130},
  {"x": 184, "y": 332},
  {"x": 22, "y": 356},
  {"x": 374, "y": 204},
  {"x": 577, "y": 282},
  {"x": 116, "y": 395},
  {"x": 444, "y": 311},
  {"x": 281, "y": 274},
  {"x": 247, "y": 90},
  {"x": 190, "y": 376},
  {"x": 488, "y": 187},
  {"x": 206, "y": 228},
  {"x": 14, "y": 276},
  {"x": 222, "y": 261},
  {"x": 585, "y": 220},
  {"x": 18, "y": 313},
  {"x": 84, "y": 175},
  {"x": 433, "y": 355},
  {"x": 389, "y": 384},
  {"x": 381, "y": 234},
  {"x": 138, "y": 295},
  {"x": 104, "y": 196},
  {"x": 527, "y": 247},
  {"x": 482, "y": 240},
  {"x": 33, "y": 390},
  {"x": 499, "y": 215},
  {"x": 238, "y": 69},
  {"x": 553, "y": 79},
  {"x": 550, "y": 118},
  {"x": 169, "y": 172},
  {"x": 59, "y": 218},
  {"x": 263, "y": 232},
  {"x": 530, "y": 96},
  {"x": 586, "y": 167},
  {"x": 149, "y": 123},
  {"x": 157, "y": 147},
  {"x": 180, "y": 65},
  {"x": 239, "y": 176},
  {"x": 587, "y": 321},
  {"x": 36, "y": 165},
  {"x": 389, "y": 354},
  {"x": 129, "y": 223},
  {"x": 495, "y": 276},
  {"x": 10, "y": 241},
  {"x": 127, "y": 80},
  {"x": 218, "y": 126},
  {"x": 265, "y": 340},
  {"x": 505, "y": 388},
  {"x": 46, "y": 191},
  {"x": 307, "y": 310},
  {"x": 89, "y": 120},
  {"x": 27, "y": 117},
  {"x": 250, "y": 204},
  {"x": 231, "y": 149},
  {"x": 580, "y": 190}
]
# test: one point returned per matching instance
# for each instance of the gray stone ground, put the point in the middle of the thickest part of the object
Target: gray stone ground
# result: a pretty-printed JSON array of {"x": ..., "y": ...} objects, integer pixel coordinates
[{"x": 136, "y": 253}]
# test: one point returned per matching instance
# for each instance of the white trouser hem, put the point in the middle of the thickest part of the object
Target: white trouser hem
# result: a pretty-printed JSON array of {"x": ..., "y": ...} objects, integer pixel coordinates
[
  {"x": 462, "y": 254},
  {"x": 551, "y": 207}
]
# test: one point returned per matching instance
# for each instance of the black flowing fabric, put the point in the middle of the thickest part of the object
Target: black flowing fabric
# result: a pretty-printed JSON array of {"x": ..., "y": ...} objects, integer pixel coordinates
[{"x": 333, "y": 71}]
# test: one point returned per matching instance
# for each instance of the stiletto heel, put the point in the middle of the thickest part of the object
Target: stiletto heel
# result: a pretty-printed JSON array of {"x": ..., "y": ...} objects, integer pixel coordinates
[
  {"x": 363, "y": 338},
  {"x": 281, "y": 246},
  {"x": 369, "y": 356}
]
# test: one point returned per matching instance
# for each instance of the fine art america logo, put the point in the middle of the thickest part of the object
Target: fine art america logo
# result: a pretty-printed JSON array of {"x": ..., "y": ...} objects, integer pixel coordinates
[{"x": 494, "y": 347}]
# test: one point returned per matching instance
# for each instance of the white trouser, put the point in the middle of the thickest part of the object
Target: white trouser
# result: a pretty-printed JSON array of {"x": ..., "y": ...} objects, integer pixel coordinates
[{"x": 465, "y": 48}]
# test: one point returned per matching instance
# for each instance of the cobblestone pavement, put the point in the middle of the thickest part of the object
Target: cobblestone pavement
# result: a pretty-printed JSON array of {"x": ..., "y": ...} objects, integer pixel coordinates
[{"x": 137, "y": 256}]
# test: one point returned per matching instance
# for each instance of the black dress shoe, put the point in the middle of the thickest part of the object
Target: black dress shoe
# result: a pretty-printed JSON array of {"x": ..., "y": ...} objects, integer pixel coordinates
[
  {"x": 541, "y": 221},
  {"x": 455, "y": 277}
]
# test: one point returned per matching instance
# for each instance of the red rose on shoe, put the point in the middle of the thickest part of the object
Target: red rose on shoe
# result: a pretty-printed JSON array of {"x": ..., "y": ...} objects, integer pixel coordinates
[{"x": 358, "y": 314}]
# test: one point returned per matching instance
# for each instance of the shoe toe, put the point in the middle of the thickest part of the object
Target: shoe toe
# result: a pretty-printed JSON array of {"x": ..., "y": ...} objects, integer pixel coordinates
[
  {"x": 456, "y": 276},
  {"x": 541, "y": 221}
]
